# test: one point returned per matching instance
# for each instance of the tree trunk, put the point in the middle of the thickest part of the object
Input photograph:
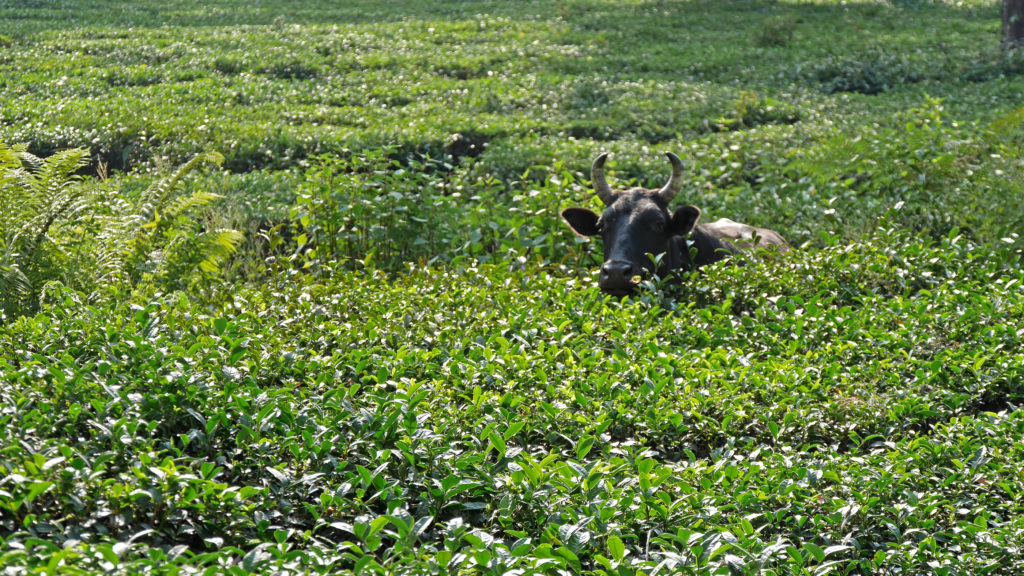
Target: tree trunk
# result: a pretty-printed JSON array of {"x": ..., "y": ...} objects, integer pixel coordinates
[{"x": 1013, "y": 23}]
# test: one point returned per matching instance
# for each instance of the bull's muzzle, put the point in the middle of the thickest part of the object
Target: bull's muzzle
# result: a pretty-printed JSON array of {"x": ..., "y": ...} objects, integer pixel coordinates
[{"x": 616, "y": 277}]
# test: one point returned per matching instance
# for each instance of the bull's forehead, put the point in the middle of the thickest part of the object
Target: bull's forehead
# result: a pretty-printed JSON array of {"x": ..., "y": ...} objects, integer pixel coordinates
[{"x": 637, "y": 201}]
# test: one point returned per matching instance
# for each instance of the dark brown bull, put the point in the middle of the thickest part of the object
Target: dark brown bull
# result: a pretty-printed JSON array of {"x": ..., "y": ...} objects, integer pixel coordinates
[{"x": 637, "y": 223}]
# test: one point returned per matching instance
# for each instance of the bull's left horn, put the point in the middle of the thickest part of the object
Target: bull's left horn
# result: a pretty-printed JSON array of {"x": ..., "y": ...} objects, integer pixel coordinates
[
  {"x": 675, "y": 183},
  {"x": 604, "y": 191}
]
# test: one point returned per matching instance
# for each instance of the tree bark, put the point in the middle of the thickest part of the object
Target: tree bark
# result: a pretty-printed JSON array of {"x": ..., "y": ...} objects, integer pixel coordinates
[{"x": 1013, "y": 23}]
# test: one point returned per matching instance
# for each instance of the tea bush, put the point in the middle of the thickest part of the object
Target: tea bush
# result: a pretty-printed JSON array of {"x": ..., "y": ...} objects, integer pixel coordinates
[
  {"x": 459, "y": 414},
  {"x": 869, "y": 74},
  {"x": 368, "y": 207}
]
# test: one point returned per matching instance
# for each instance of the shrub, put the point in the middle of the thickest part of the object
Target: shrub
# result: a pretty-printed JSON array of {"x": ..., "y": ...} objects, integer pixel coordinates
[
  {"x": 772, "y": 32},
  {"x": 370, "y": 207},
  {"x": 870, "y": 73},
  {"x": 750, "y": 110},
  {"x": 939, "y": 175}
]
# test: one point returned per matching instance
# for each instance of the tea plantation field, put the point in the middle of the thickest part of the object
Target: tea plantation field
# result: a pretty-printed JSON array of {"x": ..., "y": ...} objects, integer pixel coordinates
[{"x": 284, "y": 289}]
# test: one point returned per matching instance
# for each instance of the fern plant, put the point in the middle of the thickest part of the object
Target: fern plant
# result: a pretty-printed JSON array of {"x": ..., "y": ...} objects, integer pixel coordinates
[
  {"x": 54, "y": 227},
  {"x": 14, "y": 286},
  {"x": 160, "y": 241},
  {"x": 35, "y": 196}
]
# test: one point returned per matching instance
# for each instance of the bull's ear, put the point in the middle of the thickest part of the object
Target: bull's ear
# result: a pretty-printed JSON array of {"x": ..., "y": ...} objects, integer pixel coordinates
[
  {"x": 684, "y": 219},
  {"x": 581, "y": 220}
]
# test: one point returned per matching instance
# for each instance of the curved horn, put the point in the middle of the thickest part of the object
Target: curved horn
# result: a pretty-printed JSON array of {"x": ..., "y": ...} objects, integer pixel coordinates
[
  {"x": 675, "y": 183},
  {"x": 604, "y": 191}
]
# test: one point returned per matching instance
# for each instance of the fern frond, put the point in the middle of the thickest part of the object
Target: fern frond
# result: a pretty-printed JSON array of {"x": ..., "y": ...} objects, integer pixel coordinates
[
  {"x": 19, "y": 201},
  {"x": 63, "y": 205},
  {"x": 217, "y": 247},
  {"x": 36, "y": 196},
  {"x": 114, "y": 241},
  {"x": 10, "y": 156},
  {"x": 58, "y": 171},
  {"x": 35, "y": 163},
  {"x": 14, "y": 287},
  {"x": 156, "y": 196},
  {"x": 196, "y": 200},
  {"x": 14, "y": 282},
  {"x": 9, "y": 201}
]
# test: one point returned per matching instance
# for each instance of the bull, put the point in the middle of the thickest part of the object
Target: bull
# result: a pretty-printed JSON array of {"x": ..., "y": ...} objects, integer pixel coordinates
[{"x": 637, "y": 223}]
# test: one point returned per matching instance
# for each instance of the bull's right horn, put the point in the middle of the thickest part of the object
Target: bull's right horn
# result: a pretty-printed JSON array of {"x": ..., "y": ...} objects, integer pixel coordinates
[
  {"x": 675, "y": 183},
  {"x": 604, "y": 191}
]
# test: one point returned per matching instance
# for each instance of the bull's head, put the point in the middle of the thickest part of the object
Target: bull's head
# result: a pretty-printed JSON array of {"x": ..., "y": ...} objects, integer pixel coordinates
[{"x": 636, "y": 223}]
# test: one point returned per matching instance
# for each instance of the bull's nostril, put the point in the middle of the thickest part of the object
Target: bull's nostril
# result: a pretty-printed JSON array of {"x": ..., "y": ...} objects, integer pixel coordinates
[{"x": 617, "y": 270}]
